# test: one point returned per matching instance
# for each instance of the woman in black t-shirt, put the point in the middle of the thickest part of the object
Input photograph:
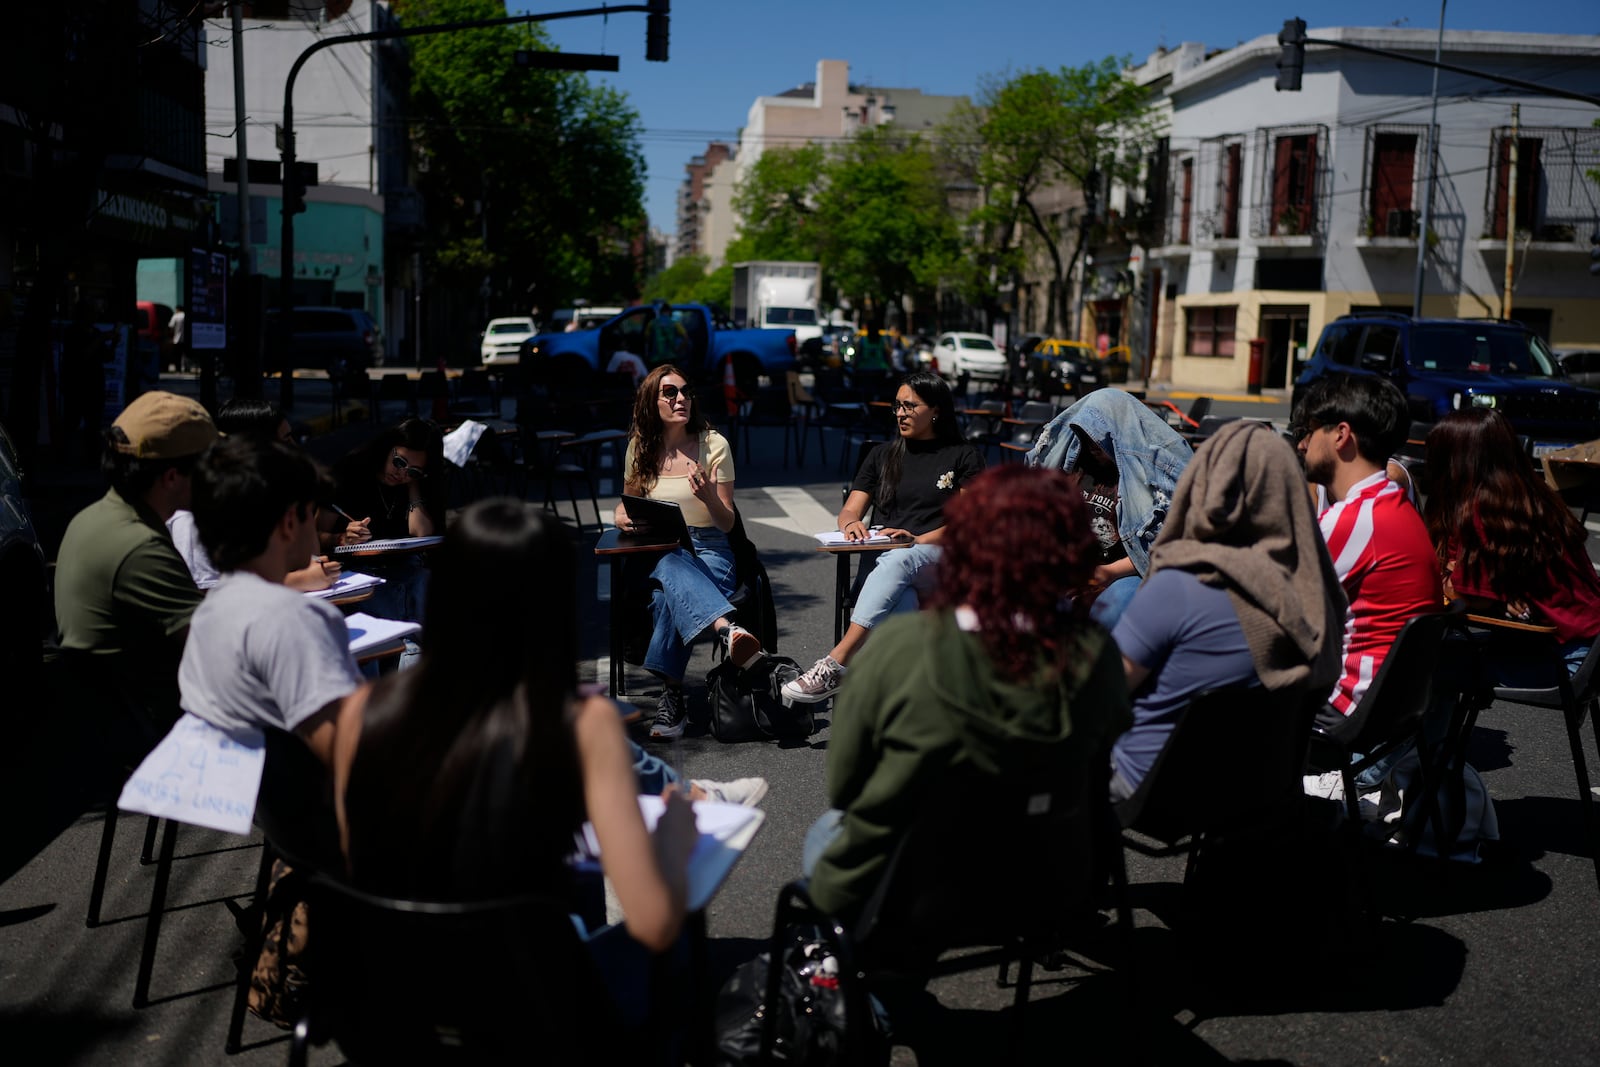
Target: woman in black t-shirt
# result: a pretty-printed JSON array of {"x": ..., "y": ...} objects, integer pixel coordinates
[{"x": 906, "y": 482}]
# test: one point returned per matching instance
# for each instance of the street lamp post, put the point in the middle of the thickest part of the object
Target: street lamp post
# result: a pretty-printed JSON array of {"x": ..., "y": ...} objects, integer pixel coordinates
[
  {"x": 1427, "y": 196},
  {"x": 656, "y": 39}
]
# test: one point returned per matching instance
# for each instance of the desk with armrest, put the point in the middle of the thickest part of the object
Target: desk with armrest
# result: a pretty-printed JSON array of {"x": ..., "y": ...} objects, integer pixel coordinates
[
  {"x": 842, "y": 555},
  {"x": 615, "y": 547}
]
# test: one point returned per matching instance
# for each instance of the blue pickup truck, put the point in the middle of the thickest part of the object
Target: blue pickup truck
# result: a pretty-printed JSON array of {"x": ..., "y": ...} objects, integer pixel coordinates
[{"x": 688, "y": 335}]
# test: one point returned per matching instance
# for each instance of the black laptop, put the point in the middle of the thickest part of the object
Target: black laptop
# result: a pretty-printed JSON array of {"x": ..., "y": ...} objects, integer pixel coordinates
[{"x": 659, "y": 519}]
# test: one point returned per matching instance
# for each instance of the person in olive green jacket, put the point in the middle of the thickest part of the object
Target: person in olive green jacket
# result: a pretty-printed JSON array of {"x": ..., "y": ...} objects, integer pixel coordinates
[{"x": 999, "y": 665}]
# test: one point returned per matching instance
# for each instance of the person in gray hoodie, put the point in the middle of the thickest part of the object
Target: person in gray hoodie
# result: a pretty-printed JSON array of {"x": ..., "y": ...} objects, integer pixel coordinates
[{"x": 1004, "y": 667}]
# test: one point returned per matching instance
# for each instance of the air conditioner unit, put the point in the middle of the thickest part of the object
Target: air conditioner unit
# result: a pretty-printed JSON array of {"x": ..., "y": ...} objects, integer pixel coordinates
[{"x": 1400, "y": 223}]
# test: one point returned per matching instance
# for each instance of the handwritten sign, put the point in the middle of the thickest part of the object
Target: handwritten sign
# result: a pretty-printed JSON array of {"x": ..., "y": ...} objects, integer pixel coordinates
[{"x": 200, "y": 775}]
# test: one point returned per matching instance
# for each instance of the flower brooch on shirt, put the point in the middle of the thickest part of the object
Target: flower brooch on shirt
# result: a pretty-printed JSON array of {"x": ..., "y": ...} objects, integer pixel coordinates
[{"x": 947, "y": 480}]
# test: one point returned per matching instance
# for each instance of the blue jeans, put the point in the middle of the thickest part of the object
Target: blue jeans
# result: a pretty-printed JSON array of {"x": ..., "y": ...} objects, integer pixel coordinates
[
  {"x": 829, "y": 825},
  {"x": 1113, "y": 601},
  {"x": 692, "y": 593},
  {"x": 896, "y": 584},
  {"x": 653, "y": 773}
]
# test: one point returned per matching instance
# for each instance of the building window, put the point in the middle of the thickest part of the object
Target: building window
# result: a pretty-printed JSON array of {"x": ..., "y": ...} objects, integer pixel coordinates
[
  {"x": 1232, "y": 179},
  {"x": 1211, "y": 331},
  {"x": 1389, "y": 190},
  {"x": 1185, "y": 200},
  {"x": 1294, "y": 185},
  {"x": 1527, "y": 183}
]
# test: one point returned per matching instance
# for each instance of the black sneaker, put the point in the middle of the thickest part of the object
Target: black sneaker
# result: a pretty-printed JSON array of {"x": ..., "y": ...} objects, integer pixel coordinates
[
  {"x": 739, "y": 645},
  {"x": 671, "y": 714}
]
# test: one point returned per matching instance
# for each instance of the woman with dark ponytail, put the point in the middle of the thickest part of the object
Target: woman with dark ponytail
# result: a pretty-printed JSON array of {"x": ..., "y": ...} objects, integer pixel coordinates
[{"x": 906, "y": 482}]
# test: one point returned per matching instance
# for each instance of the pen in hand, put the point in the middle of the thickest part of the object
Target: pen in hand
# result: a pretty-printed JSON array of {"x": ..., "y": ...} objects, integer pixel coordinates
[{"x": 337, "y": 510}]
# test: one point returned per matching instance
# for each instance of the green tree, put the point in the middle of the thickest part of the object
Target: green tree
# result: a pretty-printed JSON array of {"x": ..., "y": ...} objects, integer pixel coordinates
[
  {"x": 533, "y": 181},
  {"x": 1085, "y": 127},
  {"x": 677, "y": 284},
  {"x": 885, "y": 231},
  {"x": 777, "y": 201}
]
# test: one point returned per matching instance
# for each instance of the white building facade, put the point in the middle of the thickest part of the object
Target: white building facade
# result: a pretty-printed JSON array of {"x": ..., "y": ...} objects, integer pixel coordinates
[{"x": 1285, "y": 210}]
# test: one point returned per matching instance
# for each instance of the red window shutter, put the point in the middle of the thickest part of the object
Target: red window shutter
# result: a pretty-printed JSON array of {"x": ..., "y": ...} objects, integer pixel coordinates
[
  {"x": 1187, "y": 203},
  {"x": 1232, "y": 170},
  {"x": 1281, "y": 166},
  {"x": 1502, "y": 174},
  {"x": 1308, "y": 191},
  {"x": 1393, "y": 164}
]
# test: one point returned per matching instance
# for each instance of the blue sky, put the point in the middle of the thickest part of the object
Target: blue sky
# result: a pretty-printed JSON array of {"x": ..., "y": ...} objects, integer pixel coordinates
[{"x": 725, "y": 53}]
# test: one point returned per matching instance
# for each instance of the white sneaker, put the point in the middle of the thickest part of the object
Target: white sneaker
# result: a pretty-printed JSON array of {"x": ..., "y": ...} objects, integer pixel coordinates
[
  {"x": 819, "y": 683},
  {"x": 746, "y": 792}
]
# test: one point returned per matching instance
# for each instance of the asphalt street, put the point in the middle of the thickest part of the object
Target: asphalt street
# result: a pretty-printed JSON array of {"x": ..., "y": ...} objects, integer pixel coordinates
[{"x": 1497, "y": 963}]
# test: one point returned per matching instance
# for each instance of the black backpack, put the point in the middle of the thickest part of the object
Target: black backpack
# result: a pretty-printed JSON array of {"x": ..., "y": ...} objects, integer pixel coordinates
[{"x": 747, "y": 705}]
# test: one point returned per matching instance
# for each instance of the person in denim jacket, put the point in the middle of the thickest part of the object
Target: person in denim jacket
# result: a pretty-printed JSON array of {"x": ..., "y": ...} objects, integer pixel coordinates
[{"x": 1148, "y": 455}]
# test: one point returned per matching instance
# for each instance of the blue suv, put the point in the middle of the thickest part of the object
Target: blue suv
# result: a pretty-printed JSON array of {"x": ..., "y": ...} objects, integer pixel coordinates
[{"x": 1448, "y": 364}]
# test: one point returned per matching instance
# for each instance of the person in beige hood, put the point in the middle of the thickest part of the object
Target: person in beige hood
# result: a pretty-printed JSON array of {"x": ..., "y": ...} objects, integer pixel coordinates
[{"x": 1240, "y": 590}]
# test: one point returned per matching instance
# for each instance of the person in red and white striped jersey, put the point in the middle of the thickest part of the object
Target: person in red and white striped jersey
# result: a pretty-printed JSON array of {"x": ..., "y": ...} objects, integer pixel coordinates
[{"x": 1346, "y": 427}]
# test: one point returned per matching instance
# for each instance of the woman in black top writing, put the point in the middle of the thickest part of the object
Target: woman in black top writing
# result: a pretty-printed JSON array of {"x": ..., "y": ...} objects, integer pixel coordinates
[{"x": 906, "y": 482}]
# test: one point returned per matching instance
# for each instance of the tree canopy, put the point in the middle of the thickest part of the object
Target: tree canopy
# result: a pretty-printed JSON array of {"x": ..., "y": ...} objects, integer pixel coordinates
[{"x": 533, "y": 181}]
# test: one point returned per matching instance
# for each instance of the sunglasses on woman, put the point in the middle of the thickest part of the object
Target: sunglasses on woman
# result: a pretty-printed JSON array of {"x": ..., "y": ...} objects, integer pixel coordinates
[
  {"x": 399, "y": 463},
  {"x": 671, "y": 392}
]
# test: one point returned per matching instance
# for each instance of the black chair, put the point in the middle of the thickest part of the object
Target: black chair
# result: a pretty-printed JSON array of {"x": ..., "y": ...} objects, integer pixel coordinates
[
  {"x": 1261, "y": 729},
  {"x": 493, "y": 978},
  {"x": 1575, "y": 697},
  {"x": 1046, "y": 838},
  {"x": 1389, "y": 716},
  {"x": 476, "y": 397},
  {"x": 771, "y": 406},
  {"x": 984, "y": 425},
  {"x": 397, "y": 388}
]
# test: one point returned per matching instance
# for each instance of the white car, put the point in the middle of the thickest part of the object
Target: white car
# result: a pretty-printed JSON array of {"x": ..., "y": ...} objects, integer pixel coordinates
[
  {"x": 973, "y": 354},
  {"x": 502, "y": 340}
]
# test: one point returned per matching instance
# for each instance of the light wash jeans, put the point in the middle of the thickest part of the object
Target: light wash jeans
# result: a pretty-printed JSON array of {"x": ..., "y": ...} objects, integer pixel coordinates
[
  {"x": 653, "y": 773},
  {"x": 896, "y": 584},
  {"x": 693, "y": 593},
  {"x": 829, "y": 825},
  {"x": 1113, "y": 601}
]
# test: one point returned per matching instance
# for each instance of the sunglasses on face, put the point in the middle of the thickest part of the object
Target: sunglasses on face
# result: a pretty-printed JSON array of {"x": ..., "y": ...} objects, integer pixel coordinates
[
  {"x": 671, "y": 392},
  {"x": 399, "y": 463}
]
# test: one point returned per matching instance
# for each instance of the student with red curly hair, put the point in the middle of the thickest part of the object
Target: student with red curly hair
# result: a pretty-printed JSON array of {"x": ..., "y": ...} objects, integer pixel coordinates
[{"x": 1001, "y": 662}]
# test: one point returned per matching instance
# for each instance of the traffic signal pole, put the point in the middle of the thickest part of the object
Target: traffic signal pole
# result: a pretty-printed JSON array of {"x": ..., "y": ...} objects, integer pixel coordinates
[{"x": 656, "y": 39}]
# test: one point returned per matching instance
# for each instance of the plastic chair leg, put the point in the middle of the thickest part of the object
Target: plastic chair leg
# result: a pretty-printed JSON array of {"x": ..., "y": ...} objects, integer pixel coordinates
[
  {"x": 1585, "y": 796},
  {"x": 152, "y": 925},
  {"x": 97, "y": 889}
]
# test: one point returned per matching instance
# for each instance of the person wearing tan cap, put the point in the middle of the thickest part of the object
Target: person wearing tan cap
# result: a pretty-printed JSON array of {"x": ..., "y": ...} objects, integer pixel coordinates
[{"x": 123, "y": 596}]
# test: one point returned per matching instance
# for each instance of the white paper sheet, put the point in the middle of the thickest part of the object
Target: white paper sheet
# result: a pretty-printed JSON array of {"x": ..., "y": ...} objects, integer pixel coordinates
[
  {"x": 831, "y": 538},
  {"x": 459, "y": 442},
  {"x": 346, "y": 584},
  {"x": 368, "y": 632},
  {"x": 201, "y": 775}
]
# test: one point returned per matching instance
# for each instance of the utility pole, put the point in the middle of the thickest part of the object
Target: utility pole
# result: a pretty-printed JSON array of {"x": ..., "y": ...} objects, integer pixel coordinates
[
  {"x": 246, "y": 355},
  {"x": 655, "y": 50},
  {"x": 1511, "y": 212},
  {"x": 1433, "y": 169}
]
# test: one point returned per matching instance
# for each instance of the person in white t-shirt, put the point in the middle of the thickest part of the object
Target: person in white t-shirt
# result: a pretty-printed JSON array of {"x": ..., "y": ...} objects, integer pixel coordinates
[{"x": 259, "y": 653}]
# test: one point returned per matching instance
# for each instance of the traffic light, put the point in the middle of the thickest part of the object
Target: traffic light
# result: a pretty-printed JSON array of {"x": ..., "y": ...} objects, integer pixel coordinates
[
  {"x": 1594, "y": 253},
  {"x": 1292, "y": 55},
  {"x": 655, "y": 31}
]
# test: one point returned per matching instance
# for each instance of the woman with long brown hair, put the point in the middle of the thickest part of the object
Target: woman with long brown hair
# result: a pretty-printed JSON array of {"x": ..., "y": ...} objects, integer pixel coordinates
[
  {"x": 1503, "y": 534},
  {"x": 675, "y": 455}
]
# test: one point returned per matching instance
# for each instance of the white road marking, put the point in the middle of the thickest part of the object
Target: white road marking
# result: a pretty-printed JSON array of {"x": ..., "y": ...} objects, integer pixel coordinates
[{"x": 802, "y": 514}]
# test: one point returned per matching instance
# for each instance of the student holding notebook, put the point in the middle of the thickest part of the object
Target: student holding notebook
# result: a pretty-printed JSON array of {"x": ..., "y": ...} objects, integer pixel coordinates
[{"x": 674, "y": 455}]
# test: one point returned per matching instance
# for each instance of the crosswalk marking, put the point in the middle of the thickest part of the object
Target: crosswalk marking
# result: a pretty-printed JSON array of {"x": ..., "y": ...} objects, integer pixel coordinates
[{"x": 801, "y": 513}]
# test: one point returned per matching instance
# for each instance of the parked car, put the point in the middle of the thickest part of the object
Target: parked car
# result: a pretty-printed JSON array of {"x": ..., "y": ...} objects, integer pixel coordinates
[
  {"x": 1581, "y": 365},
  {"x": 1057, "y": 367},
  {"x": 22, "y": 576},
  {"x": 586, "y": 317},
  {"x": 972, "y": 354},
  {"x": 331, "y": 339},
  {"x": 501, "y": 340},
  {"x": 151, "y": 322},
  {"x": 1451, "y": 364}
]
